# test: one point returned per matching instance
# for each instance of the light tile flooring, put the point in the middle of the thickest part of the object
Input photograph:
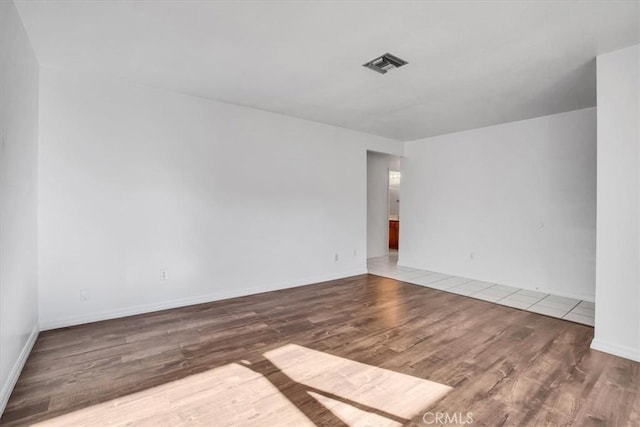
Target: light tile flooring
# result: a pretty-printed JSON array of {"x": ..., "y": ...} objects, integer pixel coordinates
[{"x": 537, "y": 302}]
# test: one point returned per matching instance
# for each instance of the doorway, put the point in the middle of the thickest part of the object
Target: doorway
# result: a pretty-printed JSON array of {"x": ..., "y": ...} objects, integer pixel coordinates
[
  {"x": 383, "y": 204},
  {"x": 394, "y": 210}
]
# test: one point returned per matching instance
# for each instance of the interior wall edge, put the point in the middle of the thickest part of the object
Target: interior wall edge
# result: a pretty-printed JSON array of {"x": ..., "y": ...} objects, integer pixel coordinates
[{"x": 16, "y": 370}]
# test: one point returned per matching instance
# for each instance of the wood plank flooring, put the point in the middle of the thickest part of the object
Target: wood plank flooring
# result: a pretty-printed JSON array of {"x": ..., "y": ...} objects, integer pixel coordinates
[{"x": 504, "y": 366}]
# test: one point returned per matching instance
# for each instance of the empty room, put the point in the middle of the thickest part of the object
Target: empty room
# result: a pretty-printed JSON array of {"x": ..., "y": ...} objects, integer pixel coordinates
[{"x": 330, "y": 213}]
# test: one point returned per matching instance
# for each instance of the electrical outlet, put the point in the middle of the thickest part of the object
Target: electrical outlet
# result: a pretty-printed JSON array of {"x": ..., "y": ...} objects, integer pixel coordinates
[
  {"x": 336, "y": 257},
  {"x": 84, "y": 295},
  {"x": 164, "y": 275}
]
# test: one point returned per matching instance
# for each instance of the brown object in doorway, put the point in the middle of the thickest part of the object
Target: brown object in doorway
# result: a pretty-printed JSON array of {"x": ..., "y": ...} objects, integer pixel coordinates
[{"x": 394, "y": 233}]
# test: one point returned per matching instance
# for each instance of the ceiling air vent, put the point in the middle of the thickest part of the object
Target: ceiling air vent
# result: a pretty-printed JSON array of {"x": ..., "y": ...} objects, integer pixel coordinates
[{"x": 385, "y": 63}]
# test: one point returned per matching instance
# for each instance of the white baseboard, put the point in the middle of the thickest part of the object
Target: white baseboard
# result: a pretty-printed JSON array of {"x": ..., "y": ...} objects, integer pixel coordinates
[
  {"x": 232, "y": 293},
  {"x": 8, "y": 386},
  {"x": 616, "y": 349},
  {"x": 589, "y": 298}
]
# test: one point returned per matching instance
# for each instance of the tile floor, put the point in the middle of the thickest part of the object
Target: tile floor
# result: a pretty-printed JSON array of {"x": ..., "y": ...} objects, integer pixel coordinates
[{"x": 537, "y": 302}]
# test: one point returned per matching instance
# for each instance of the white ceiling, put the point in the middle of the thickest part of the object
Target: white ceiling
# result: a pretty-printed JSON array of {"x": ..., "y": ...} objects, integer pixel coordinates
[{"x": 471, "y": 64}]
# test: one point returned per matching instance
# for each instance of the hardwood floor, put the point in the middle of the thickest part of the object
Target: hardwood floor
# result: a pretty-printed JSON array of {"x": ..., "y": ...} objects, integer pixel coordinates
[{"x": 504, "y": 366}]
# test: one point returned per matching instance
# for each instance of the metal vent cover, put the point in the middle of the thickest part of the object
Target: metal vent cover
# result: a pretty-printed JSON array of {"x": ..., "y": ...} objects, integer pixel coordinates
[{"x": 384, "y": 63}]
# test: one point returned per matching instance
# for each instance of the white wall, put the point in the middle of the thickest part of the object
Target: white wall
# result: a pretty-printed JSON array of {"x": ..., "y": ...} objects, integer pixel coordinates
[
  {"x": 18, "y": 208},
  {"x": 617, "y": 321},
  {"x": 378, "y": 209},
  {"x": 519, "y": 196},
  {"x": 230, "y": 200}
]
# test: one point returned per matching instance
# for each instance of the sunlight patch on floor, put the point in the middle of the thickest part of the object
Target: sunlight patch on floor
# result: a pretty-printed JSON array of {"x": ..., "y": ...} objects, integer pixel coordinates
[
  {"x": 234, "y": 395},
  {"x": 231, "y": 395},
  {"x": 397, "y": 394}
]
